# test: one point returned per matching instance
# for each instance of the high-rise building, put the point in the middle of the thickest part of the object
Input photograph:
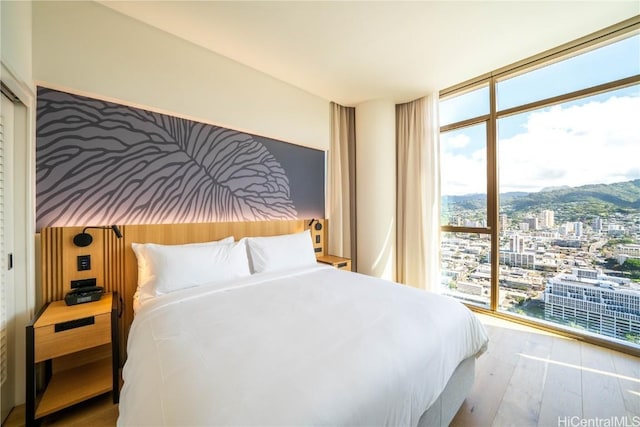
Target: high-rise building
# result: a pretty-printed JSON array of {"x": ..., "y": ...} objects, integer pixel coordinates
[
  {"x": 504, "y": 222},
  {"x": 547, "y": 219},
  {"x": 533, "y": 223},
  {"x": 603, "y": 304},
  {"x": 596, "y": 225},
  {"x": 516, "y": 244},
  {"x": 566, "y": 228},
  {"x": 516, "y": 256}
]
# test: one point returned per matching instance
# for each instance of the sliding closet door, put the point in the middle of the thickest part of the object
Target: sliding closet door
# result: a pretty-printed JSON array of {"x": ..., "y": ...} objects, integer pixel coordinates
[{"x": 7, "y": 297}]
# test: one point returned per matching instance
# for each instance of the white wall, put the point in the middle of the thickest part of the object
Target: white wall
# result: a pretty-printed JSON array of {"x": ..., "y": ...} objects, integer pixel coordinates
[
  {"x": 16, "y": 38},
  {"x": 90, "y": 49},
  {"x": 376, "y": 188},
  {"x": 16, "y": 73}
]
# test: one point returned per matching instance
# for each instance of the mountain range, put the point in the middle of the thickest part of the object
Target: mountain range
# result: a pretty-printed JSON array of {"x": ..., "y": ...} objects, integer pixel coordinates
[{"x": 595, "y": 199}]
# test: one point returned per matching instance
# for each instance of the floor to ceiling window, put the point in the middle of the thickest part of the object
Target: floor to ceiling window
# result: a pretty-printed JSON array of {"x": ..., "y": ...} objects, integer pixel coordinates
[{"x": 540, "y": 165}]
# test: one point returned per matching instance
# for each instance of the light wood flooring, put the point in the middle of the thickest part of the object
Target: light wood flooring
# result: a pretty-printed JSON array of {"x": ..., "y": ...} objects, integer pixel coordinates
[
  {"x": 97, "y": 412},
  {"x": 533, "y": 378},
  {"x": 526, "y": 378}
]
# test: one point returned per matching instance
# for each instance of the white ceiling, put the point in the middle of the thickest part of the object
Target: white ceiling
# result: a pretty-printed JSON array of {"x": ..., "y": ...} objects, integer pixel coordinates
[{"x": 354, "y": 51}]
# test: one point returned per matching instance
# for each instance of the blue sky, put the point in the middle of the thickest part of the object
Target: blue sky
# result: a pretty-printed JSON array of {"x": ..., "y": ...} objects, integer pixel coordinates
[{"x": 591, "y": 140}]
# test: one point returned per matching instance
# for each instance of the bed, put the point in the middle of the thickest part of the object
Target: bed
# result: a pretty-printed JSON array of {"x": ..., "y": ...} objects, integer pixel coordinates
[{"x": 263, "y": 335}]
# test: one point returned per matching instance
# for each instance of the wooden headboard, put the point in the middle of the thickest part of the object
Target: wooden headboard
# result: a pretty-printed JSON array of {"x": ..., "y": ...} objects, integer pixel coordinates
[{"x": 114, "y": 265}]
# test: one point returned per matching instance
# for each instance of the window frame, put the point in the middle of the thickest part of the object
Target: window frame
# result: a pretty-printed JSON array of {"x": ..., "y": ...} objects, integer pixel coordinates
[{"x": 611, "y": 34}]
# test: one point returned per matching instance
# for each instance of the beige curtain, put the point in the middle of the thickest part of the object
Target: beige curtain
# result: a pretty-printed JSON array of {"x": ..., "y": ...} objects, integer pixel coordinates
[
  {"x": 342, "y": 183},
  {"x": 418, "y": 193}
]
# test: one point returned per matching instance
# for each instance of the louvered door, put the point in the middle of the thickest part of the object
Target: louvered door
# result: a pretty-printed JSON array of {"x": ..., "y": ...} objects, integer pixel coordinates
[{"x": 7, "y": 298}]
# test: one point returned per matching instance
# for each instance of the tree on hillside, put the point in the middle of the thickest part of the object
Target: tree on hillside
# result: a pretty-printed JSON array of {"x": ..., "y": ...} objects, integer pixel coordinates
[{"x": 631, "y": 264}]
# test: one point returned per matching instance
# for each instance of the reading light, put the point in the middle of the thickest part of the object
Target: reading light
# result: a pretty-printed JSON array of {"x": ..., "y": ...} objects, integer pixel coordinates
[
  {"x": 84, "y": 239},
  {"x": 318, "y": 224}
]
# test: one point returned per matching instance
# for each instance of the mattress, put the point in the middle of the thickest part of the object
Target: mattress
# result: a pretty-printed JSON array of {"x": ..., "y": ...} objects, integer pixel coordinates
[{"x": 311, "y": 346}]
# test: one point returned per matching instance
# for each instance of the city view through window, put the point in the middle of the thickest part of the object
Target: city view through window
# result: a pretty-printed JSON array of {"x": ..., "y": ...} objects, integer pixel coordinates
[{"x": 566, "y": 179}]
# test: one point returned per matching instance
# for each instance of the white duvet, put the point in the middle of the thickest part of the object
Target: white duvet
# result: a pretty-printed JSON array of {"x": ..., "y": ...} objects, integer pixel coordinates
[{"x": 316, "y": 346}]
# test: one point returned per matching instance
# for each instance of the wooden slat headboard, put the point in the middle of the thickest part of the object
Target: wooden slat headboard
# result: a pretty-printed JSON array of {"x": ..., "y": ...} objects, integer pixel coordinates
[{"x": 114, "y": 264}]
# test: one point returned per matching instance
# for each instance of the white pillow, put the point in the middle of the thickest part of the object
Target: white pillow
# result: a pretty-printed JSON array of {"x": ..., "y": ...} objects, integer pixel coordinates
[
  {"x": 281, "y": 252},
  {"x": 167, "y": 268}
]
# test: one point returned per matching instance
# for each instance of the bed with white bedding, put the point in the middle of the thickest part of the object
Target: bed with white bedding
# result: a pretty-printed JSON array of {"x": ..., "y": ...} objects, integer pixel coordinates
[{"x": 303, "y": 345}]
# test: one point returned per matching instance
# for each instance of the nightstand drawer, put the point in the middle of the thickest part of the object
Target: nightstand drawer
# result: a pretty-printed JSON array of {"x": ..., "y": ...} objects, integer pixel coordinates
[{"x": 72, "y": 336}]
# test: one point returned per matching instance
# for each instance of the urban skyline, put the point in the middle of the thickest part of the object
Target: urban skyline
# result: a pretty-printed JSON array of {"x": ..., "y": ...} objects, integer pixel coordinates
[{"x": 540, "y": 250}]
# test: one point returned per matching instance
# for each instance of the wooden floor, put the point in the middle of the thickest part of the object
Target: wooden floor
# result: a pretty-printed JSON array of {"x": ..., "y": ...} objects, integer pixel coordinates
[
  {"x": 533, "y": 378},
  {"x": 526, "y": 378},
  {"x": 97, "y": 412}
]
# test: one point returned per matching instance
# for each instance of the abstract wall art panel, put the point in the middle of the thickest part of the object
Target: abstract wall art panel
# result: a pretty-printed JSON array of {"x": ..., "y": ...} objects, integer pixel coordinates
[{"x": 99, "y": 163}]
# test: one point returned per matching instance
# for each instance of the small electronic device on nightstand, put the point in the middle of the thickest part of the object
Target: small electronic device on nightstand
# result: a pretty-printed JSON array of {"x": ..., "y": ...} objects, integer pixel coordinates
[{"x": 83, "y": 291}]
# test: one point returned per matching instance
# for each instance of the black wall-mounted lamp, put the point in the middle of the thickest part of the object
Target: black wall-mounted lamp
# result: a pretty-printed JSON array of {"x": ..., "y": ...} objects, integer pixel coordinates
[
  {"x": 318, "y": 225},
  {"x": 84, "y": 239}
]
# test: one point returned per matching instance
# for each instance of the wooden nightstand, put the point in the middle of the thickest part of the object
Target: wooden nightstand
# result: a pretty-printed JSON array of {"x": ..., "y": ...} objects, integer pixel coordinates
[
  {"x": 79, "y": 348},
  {"x": 336, "y": 261}
]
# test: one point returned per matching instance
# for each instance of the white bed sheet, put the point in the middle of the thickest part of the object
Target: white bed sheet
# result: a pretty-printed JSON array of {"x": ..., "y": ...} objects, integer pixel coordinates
[{"x": 314, "y": 346}]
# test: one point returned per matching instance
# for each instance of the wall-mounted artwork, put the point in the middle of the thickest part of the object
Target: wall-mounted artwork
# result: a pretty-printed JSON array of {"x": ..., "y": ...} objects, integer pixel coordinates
[{"x": 98, "y": 163}]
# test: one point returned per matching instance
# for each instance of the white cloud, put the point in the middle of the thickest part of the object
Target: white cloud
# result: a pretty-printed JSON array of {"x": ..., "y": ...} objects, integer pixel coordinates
[
  {"x": 458, "y": 141},
  {"x": 598, "y": 142},
  {"x": 463, "y": 175}
]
